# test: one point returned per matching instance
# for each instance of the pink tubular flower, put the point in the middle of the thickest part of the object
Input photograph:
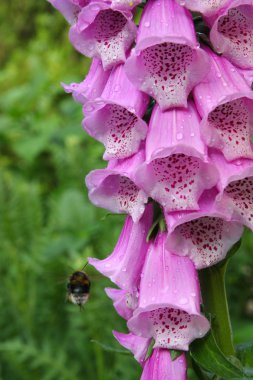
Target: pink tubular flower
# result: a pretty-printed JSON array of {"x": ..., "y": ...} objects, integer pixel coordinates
[
  {"x": 160, "y": 366},
  {"x": 232, "y": 33},
  {"x": 236, "y": 189},
  {"x": 123, "y": 302},
  {"x": 114, "y": 187},
  {"x": 92, "y": 86},
  {"x": 124, "y": 265},
  {"x": 166, "y": 62},
  {"x": 176, "y": 171},
  {"x": 225, "y": 102},
  {"x": 115, "y": 118},
  {"x": 169, "y": 300},
  {"x": 204, "y": 236},
  {"x": 206, "y": 7},
  {"x": 136, "y": 344},
  {"x": 69, "y": 8},
  {"x": 104, "y": 33}
]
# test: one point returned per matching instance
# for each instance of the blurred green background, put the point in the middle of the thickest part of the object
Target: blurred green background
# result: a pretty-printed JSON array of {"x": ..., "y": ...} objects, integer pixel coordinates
[{"x": 47, "y": 226}]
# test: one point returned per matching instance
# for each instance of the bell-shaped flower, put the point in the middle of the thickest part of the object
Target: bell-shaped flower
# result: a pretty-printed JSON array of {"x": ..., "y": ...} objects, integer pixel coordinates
[
  {"x": 92, "y": 86},
  {"x": 114, "y": 187},
  {"x": 69, "y": 8},
  {"x": 236, "y": 189},
  {"x": 160, "y": 366},
  {"x": 122, "y": 5},
  {"x": 166, "y": 62},
  {"x": 206, "y": 7},
  {"x": 232, "y": 33},
  {"x": 136, "y": 344},
  {"x": 124, "y": 265},
  {"x": 205, "y": 236},
  {"x": 169, "y": 300},
  {"x": 103, "y": 32},
  {"x": 115, "y": 118},
  {"x": 123, "y": 302},
  {"x": 176, "y": 171},
  {"x": 225, "y": 102}
]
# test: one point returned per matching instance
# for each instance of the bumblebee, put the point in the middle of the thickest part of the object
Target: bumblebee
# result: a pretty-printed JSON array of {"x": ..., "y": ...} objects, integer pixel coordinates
[{"x": 78, "y": 288}]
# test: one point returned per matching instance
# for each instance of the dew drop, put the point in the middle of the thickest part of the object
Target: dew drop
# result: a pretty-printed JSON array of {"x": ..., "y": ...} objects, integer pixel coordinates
[
  {"x": 179, "y": 136},
  {"x": 147, "y": 24}
]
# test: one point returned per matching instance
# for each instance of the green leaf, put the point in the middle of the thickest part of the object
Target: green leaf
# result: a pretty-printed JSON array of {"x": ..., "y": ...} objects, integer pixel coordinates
[
  {"x": 174, "y": 354},
  {"x": 107, "y": 348},
  {"x": 207, "y": 355},
  {"x": 245, "y": 354}
]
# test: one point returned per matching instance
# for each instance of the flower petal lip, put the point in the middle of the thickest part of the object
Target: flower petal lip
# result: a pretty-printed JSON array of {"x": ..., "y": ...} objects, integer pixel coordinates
[
  {"x": 136, "y": 344},
  {"x": 103, "y": 32},
  {"x": 177, "y": 169},
  {"x": 225, "y": 103},
  {"x": 124, "y": 265},
  {"x": 232, "y": 33},
  {"x": 169, "y": 304},
  {"x": 166, "y": 62},
  {"x": 92, "y": 86},
  {"x": 114, "y": 187},
  {"x": 115, "y": 118},
  {"x": 68, "y": 8},
  {"x": 235, "y": 189},
  {"x": 118, "y": 296},
  {"x": 160, "y": 366},
  {"x": 204, "y": 236},
  {"x": 206, "y": 7}
]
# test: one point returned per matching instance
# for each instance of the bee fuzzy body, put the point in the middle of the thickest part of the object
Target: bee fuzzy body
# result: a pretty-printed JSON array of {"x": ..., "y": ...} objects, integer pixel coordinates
[{"x": 78, "y": 288}]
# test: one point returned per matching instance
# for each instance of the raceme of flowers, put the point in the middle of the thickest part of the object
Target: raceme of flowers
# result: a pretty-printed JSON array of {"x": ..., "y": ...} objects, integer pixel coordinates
[{"x": 176, "y": 121}]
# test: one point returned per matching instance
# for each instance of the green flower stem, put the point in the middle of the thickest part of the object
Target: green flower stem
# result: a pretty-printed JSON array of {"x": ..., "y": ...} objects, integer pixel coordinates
[{"x": 214, "y": 297}]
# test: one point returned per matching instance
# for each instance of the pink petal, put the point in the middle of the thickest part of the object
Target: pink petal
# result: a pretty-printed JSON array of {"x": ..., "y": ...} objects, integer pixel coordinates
[
  {"x": 92, "y": 86},
  {"x": 115, "y": 118},
  {"x": 206, "y": 7},
  {"x": 103, "y": 33},
  {"x": 160, "y": 367},
  {"x": 169, "y": 300},
  {"x": 119, "y": 298},
  {"x": 68, "y": 8},
  {"x": 232, "y": 33},
  {"x": 114, "y": 187},
  {"x": 125, "y": 5},
  {"x": 166, "y": 62},
  {"x": 225, "y": 102},
  {"x": 176, "y": 171},
  {"x": 124, "y": 265},
  {"x": 204, "y": 236},
  {"x": 236, "y": 189},
  {"x": 136, "y": 344}
]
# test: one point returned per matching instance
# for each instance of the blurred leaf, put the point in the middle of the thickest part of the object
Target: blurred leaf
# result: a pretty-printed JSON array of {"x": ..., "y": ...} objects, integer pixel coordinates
[{"x": 108, "y": 348}]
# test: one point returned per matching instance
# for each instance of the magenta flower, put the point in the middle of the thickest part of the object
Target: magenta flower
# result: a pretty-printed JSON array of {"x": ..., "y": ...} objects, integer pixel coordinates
[
  {"x": 69, "y": 8},
  {"x": 136, "y": 344},
  {"x": 225, "y": 102},
  {"x": 232, "y": 33},
  {"x": 206, "y": 7},
  {"x": 92, "y": 86},
  {"x": 176, "y": 171},
  {"x": 235, "y": 186},
  {"x": 166, "y": 62},
  {"x": 104, "y": 33},
  {"x": 169, "y": 300},
  {"x": 124, "y": 265},
  {"x": 205, "y": 236},
  {"x": 114, "y": 187},
  {"x": 123, "y": 302},
  {"x": 115, "y": 118},
  {"x": 159, "y": 366}
]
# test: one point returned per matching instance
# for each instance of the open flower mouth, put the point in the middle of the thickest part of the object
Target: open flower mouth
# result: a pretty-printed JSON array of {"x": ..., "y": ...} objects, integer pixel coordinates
[
  {"x": 230, "y": 128},
  {"x": 233, "y": 35},
  {"x": 167, "y": 68},
  {"x": 240, "y": 193}
]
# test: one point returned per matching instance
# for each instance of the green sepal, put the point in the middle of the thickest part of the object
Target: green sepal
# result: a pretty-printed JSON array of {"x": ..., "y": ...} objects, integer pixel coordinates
[
  {"x": 245, "y": 354},
  {"x": 231, "y": 253},
  {"x": 107, "y": 348},
  {"x": 150, "y": 349},
  {"x": 174, "y": 354},
  {"x": 206, "y": 353}
]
